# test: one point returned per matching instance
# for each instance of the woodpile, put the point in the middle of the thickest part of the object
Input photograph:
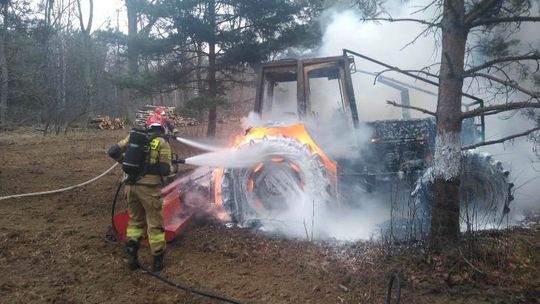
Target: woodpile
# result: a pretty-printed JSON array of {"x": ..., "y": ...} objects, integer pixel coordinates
[
  {"x": 106, "y": 123},
  {"x": 175, "y": 119}
]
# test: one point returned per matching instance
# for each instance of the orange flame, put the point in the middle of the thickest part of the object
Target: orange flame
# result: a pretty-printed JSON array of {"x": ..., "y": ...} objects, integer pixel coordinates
[
  {"x": 296, "y": 131},
  {"x": 258, "y": 168}
]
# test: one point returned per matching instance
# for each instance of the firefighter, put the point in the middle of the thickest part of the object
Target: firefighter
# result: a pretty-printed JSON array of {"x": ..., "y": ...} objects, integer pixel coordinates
[{"x": 146, "y": 159}]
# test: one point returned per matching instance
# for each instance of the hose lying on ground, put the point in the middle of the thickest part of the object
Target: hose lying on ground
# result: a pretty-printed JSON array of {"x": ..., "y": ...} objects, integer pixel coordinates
[
  {"x": 394, "y": 278},
  {"x": 183, "y": 287},
  {"x": 60, "y": 190},
  {"x": 112, "y": 239},
  {"x": 111, "y": 235},
  {"x": 156, "y": 275}
]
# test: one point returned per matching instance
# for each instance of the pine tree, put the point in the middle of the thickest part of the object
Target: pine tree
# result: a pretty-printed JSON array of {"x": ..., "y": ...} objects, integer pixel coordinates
[{"x": 207, "y": 42}]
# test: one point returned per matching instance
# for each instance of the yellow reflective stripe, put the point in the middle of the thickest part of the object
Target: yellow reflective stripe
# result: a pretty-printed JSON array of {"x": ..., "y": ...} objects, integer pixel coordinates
[
  {"x": 134, "y": 232},
  {"x": 165, "y": 153},
  {"x": 154, "y": 156},
  {"x": 154, "y": 144},
  {"x": 156, "y": 238},
  {"x": 157, "y": 145}
]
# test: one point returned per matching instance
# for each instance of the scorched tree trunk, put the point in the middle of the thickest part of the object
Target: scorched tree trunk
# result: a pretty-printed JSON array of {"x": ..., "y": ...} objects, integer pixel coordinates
[{"x": 447, "y": 159}]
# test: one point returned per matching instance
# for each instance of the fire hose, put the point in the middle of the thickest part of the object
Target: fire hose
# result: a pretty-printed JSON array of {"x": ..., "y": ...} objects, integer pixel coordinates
[
  {"x": 179, "y": 286},
  {"x": 190, "y": 289},
  {"x": 111, "y": 238},
  {"x": 394, "y": 277},
  {"x": 60, "y": 190},
  {"x": 107, "y": 238}
]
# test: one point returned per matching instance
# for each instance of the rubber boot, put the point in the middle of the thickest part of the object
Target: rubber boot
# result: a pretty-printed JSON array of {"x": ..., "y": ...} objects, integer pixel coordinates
[
  {"x": 131, "y": 249},
  {"x": 158, "y": 262}
]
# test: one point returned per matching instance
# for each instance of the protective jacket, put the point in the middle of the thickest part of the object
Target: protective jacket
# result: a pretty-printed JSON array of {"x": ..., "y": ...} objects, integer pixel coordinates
[{"x": 158, "y": 163}]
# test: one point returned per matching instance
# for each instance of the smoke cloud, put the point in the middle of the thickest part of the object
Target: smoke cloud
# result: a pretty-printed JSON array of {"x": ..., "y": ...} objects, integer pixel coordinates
[
  {"x": 518, "y": 157},
  {"x": 310, "y": 216},
  {"x": 385, "y": 41}
]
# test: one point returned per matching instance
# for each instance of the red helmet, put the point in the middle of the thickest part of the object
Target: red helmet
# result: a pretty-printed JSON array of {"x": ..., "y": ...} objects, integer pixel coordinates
[
  {"x": 159, "y": 111},
  {"x": 155, "y": 120}
]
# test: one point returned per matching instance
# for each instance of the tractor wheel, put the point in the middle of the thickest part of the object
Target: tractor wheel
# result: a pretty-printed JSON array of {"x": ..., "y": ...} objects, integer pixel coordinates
[
  {"x": 485, "y": 192},
  {"x": 288, "y": 181}
]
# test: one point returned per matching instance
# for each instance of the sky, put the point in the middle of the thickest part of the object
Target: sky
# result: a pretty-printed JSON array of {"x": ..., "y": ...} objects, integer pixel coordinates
[{"x": 105, "y": 11}]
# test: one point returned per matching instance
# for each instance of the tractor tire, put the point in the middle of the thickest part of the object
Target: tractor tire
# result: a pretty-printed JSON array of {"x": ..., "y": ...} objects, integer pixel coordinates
[
  {"x": 485, "y": 192},
  {"x": 289, "y": 180}
]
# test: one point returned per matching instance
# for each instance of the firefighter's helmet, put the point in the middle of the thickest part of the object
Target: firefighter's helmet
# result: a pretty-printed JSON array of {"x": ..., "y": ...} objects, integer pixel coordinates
[{"x": 155, "y": 120}]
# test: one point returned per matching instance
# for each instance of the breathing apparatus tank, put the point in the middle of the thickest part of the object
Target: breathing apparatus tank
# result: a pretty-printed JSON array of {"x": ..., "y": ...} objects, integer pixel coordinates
[{"x": 136, "y": 153}]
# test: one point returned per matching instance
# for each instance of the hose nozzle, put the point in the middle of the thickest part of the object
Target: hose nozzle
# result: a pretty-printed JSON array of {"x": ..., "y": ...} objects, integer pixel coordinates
[{"x": 179, "y": 161}]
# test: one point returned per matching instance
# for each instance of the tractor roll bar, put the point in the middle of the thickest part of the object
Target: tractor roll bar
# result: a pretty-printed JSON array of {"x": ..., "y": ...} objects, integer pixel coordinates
[{"x": 477, "y": 100}]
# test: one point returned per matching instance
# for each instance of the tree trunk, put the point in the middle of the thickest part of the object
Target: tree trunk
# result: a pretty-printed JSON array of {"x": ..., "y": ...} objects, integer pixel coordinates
[
  {"x": 132, "y": 33},
  {"x": 447, "y": 159},
  {"x": 61, "y": 83},
  {"x": 87, "y": 54},
  {"x": 119, "y": 93},
  {"x": 212, "y": 83},
  {"x": 88, "y": 90},
  {"x": 198, "y": 72},
  {"x": 57, "y": 76},
  {"x": 4, "y": 76},
  {"x": 49, "y": 70}
]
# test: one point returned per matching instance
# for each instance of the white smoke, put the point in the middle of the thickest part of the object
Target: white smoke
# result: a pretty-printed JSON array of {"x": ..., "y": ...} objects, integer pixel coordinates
[
  {"x": 383, "y": 41},
  {"x": 518, "y": 157},
  {"x": 310, "y": 215},
  {"x": 311, "y": 212}
]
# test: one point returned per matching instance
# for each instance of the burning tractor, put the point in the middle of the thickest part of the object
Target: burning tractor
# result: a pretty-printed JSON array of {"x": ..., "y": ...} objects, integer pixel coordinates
[{"x": 314, "y": 150}]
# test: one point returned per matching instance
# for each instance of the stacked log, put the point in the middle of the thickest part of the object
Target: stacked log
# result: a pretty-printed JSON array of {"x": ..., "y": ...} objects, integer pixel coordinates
[
  {"x": 106, "y": 123},
  {"x": 175, "y": 119}
]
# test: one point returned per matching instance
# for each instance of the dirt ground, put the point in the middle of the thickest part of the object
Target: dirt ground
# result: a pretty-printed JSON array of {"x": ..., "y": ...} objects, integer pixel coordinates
[{"x": 52, "y": 251}]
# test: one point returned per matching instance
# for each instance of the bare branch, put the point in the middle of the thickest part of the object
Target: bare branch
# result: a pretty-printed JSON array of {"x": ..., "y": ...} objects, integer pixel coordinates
[
  {"x": 517, "y": 19},
  {"x": 424, "y": 8},
  {"x": 501, "y": 140},
  {"x": 495, "y": 109},
  {"x": 479, "y": 9},
  {"x": 390, "y": 19},
  {"x": 424, "y": 32},
  {"x": 379, "y": 74},
  {"x": 395, "y": 104},
  {"x": 91, "y": 17},
  {"x": 423, "y": 72},
  {"x": 80, "y": 16},
  {"x": 507, "y": 83},
  {"x": 533, "y": 56}
]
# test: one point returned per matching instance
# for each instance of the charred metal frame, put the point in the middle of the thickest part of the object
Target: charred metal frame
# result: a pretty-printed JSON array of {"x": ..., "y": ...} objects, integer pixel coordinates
[
  {"x": 298, "y": 69},
  {"x": 477, "y": 101}
]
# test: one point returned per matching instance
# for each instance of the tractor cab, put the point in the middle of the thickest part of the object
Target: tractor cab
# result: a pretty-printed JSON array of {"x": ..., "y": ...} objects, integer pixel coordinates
[{"x": 304, "y": 89}]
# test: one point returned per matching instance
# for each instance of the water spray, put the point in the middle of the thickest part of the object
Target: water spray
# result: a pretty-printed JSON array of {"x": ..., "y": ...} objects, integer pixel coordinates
[
  {"x": 198, "y": 145},
  {"x": 231, "y": 158}
]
